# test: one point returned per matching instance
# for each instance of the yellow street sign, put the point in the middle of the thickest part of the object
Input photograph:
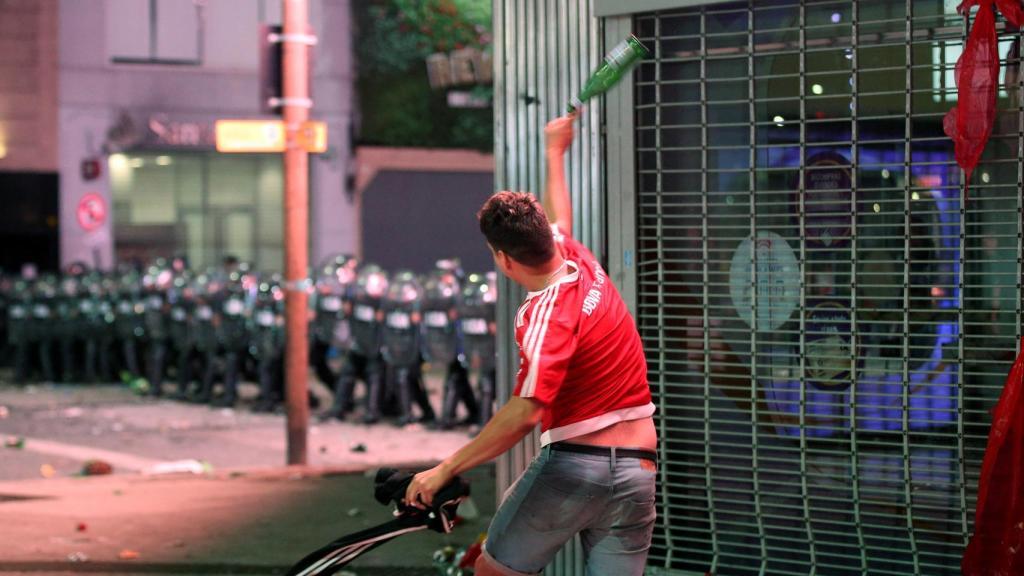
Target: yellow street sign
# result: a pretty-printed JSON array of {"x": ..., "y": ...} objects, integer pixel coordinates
[
  {"x": 268, "y": 136},
  {"x": 250, "y": 136},
  {"x": 312, "y": 137}
]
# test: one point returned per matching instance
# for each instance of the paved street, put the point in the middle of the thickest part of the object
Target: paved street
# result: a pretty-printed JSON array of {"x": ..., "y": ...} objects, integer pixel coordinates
[{"x": 245, "y": 514}]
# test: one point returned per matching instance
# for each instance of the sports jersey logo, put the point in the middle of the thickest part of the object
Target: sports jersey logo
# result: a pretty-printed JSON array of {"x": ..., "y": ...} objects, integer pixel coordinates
[{"x": 593, "y": 297}]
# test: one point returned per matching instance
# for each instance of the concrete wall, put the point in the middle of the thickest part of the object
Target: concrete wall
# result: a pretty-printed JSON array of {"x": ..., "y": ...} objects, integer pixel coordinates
[
  {"x": 96, "y": 90},
  {"x": 28, "y": 85}
]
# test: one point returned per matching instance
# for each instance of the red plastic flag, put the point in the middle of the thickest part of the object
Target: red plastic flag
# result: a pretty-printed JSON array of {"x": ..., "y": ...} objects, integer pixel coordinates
[
  {"x": 997, "y": 547},
  {"x": 969, "y": 123}
]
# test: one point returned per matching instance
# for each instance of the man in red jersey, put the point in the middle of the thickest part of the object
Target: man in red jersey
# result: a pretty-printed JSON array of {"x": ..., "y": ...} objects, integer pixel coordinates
[{"x": 583, "y": 377}]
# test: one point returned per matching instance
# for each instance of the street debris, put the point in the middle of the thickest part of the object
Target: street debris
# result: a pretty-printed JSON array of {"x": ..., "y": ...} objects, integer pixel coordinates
[
  {"x": 323, "y": 449},
  {"x": 16, "y": 442},
  {"x": 96, "y": 468},
  {"x": 358, "y": 447},
  {"x": 127, "y": 554},
  {"x": 180, "y": 467},
  {"x": 468, "y": 509},
  {"x": 47, "y": 471},
  {"x": 81, "y": 527},
  {"x": 73, "y": 412},
  {"x": 4, "y": 412},
  {"x": 78, "y": 557}
]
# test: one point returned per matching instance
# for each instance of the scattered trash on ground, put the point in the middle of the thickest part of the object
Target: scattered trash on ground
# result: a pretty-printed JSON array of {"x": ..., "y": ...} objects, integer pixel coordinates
[
  {"x": 4, "y": 412},
  {"x": 73, "y": 412},
  {"x": 16, "y": 442},
  {"x": 468, "y": 509},
  {"x": 180, "y": 467},
  {"x": 139, "y": 385},
  {"x": 117, "y": 427},
  {"x": 323, "y": 449},
  {"x": 358, "y": 447},
  {"x": 47, "y": 471},
  {"x": 81, "y": 527},
  {"x": 78, "y": 557},
  {"x": 128, "y": 554},
  {"x": 96, "y": 468}
]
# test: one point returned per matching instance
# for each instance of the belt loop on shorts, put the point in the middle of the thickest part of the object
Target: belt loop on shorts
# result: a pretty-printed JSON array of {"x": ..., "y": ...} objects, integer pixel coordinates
[{"x": 613, "y": 458}]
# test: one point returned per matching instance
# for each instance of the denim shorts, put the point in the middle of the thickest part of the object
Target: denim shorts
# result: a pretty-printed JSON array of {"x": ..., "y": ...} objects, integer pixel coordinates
[{"x": 608, "y": 500}]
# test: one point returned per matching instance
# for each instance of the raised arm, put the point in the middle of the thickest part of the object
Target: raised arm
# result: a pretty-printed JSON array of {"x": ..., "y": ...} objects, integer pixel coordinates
[{"x": 558, "y": 135}]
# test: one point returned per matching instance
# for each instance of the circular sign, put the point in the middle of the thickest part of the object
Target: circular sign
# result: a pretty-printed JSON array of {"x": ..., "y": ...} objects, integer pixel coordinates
[
  {"x": 772, "y": 269},
  {"x": 91, "y": 212}
]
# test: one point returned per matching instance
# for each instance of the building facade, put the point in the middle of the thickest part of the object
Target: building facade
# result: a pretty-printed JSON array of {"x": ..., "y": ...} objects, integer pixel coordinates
[
  {"x": 141, "y": 86},
  {"x": 828, "y": 312},
  {"x": 29, "y": 225}
]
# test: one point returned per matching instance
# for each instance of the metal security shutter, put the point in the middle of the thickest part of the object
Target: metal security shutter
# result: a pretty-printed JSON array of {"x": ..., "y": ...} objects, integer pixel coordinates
[{"x": 827, "y": 318}]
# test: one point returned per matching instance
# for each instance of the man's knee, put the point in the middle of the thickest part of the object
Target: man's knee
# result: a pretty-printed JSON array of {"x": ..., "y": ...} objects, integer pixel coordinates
[{"x": 487, "y": 566}]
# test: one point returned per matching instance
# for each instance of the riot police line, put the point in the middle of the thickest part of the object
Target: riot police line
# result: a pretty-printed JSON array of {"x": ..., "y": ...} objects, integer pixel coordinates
[{"x": 168, "y": 330}]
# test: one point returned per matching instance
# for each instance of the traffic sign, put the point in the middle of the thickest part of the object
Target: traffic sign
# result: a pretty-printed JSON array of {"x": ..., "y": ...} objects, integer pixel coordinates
[
  {"x": 91, "y": 211},
  {"x": 268, "y": 136}
]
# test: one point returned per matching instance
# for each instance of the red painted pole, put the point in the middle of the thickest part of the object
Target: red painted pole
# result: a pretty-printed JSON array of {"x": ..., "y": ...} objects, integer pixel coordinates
[{"x": 296, "y": 103}]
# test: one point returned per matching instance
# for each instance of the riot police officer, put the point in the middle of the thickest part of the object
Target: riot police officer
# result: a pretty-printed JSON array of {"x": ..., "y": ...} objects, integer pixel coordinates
[
  {"x": 179, "y": 327},
  {"x": 363, "y": 359},
  {"x": 130, "y": 321},
  {"x": 477, "y": 317},
  {"x": 208, "y": 292},
  {"x": 156, "y": 284},
  {"x": 45, "y": 323},
  {"x": 19, "y": 326},
  {"x": 95, "y": 315},
  {"x": 231, "y": 330},
  {"x": 268, "y": 342},
  {"x": 401, "y": 343},
  {"x": 442, "y": 340},
  {"x": 70, "y": 324},
  {"x": 329, "y": 327}
]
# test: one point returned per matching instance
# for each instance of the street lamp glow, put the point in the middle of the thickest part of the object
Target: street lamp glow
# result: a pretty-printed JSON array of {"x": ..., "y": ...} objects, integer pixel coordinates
[
  {"x": 779, "y": 120},
  {"x": 136, "y": 162},
  {"x": 877, "y": 208},
  {"x": 817, "y": 89},
  {"x": 163, "y": 160},
  {"x": 915, "y": 196}
]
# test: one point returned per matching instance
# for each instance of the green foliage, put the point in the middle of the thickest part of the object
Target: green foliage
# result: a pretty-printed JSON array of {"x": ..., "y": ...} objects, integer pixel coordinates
[{"x": 398, "y": 107}]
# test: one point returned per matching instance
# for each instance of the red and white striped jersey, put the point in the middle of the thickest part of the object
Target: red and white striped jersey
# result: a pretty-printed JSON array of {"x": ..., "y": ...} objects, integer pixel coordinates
[{"x": 579, "y": 351}]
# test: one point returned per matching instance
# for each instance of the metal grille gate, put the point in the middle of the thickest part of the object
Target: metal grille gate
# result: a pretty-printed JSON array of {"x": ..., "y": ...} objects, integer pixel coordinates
[{"x": 827, "y": 318}]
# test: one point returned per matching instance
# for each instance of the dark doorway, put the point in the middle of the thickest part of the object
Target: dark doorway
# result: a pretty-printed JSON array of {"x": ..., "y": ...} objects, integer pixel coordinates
[{"x": 29, "y": 220}]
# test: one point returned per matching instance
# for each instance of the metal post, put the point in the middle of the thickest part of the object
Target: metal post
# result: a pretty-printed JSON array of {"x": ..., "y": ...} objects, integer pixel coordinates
[{"x": 296, "y": 103}]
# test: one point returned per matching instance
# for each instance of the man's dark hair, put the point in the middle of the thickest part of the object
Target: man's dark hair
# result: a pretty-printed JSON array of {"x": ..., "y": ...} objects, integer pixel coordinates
[{"x": 514, "y": 223}]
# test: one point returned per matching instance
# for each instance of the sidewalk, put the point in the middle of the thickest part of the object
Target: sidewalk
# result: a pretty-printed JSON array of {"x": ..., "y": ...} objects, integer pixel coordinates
[{"x": 250, "y": 515}]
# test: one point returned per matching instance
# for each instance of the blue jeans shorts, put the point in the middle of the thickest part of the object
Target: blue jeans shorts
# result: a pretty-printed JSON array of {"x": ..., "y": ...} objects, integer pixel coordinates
[{"x": 607, "y": 499}]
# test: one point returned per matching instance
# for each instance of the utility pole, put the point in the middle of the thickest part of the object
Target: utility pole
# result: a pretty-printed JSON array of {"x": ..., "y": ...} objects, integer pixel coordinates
[{"x": 296, "y": 103}]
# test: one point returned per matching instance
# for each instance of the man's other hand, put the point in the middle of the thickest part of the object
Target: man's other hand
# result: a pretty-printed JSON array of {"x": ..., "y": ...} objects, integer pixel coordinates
[{"x": 424, "y": 485}]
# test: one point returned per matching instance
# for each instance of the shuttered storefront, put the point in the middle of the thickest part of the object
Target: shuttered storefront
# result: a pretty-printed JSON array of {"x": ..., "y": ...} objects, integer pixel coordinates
[{"x": 827, "y": 317}]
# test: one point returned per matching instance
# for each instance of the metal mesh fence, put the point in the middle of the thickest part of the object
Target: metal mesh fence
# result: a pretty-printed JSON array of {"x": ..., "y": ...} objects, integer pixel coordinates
[{"x": 827, "y": 317}]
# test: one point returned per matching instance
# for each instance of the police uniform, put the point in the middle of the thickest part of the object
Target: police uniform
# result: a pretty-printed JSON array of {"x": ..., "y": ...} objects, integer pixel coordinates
[
  {"x": 363, "y": 359},
  {"x": 401, "y": 345},
  {"x": 442, "y": 340},
  {"x": 478, "y": 322}
]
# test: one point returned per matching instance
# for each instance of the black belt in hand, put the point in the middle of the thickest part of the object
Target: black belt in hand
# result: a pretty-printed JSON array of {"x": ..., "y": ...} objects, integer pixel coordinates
[{"x": 605, "y": 451}]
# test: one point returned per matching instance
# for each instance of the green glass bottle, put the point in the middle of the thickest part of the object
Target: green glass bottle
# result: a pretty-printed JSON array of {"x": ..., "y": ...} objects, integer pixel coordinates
[{"x": 619, "y": 61}]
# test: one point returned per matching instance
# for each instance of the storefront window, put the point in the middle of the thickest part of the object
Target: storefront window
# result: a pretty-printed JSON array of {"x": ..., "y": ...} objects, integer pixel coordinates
[{"x": 204, "y": 205}]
